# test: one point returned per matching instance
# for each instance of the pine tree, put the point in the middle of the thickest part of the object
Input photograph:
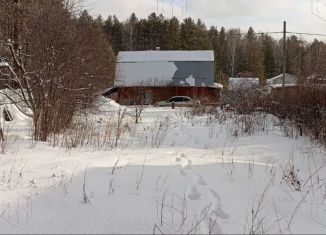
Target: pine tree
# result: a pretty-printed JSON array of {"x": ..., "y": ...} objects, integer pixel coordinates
[
  {"x": 114, "y": 29},
  {"x": 294, "y": 55},
  {"x": 254, "y": 57},
  {"x": 221, "y": 56},
  {"x": 188, "y": 34},
  {"x": 173, "y": 34},
  {"x": 154, "y": 31},
  {"x": 202, "y": 37},
  {"x": 213, "y": 35},
  {"x": 269, "y": 58}
]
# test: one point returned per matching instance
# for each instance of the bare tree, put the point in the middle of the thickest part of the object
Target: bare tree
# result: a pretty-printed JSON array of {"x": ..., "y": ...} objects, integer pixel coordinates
[
  {"x": 59, "y": 60},
  {"x": 233, "y": 41}
]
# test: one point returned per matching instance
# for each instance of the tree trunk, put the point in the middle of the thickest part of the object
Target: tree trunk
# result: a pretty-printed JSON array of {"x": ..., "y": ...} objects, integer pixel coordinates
[{"x": 40, "y": 126}]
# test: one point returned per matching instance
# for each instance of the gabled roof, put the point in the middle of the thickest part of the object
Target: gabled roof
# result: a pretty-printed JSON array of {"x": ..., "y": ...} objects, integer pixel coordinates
[
  {"x": 164, "y": 56},
  {"x": 289, "y": 79}
]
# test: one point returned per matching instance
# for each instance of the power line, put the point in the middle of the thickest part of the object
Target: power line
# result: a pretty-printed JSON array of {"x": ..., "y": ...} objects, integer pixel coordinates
[
  {"x": 309, "y": 34},
  {"x": 243, "y": 34}
]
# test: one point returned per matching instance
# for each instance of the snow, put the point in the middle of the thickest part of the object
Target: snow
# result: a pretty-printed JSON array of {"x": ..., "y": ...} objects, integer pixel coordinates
[
  {"x": 191, "y": 80},
  {"x": 289, "y": 79},
  {"x": 3, "y": 64},
  {"x": 281, "y": 85},
  {"x": 179, "y": 173},
  {"x": 218, "y": 85},
  {"x": 164, "y": 56},
  {"x": 240, "y": 83}
]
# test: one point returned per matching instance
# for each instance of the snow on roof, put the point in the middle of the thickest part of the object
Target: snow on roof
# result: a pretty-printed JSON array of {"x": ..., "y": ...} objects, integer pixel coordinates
[
  {"x": 218, "y": 85},
  {"x": 166, "y": 56},
  {"x": 289, "y": 79},
  {"x": 3, "y": 64},
  {"x": 317, "y": 77},
  {"x": 281, "y": 85}
]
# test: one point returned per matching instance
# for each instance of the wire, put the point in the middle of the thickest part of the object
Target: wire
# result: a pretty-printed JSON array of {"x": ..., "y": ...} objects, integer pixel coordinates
[{"x": 310, "y": 34}]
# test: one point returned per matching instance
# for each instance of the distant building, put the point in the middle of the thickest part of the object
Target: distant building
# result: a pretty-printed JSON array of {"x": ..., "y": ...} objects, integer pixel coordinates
[
  {"x": 316, "y": 80},
  {"x": 3, "y": 62},
  {"x": 290, "y": 80},
  {"x": 147, "y": 77}
]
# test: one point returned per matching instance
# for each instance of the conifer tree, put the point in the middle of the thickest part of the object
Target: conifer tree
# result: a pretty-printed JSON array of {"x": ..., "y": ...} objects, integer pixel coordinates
[
  {"x": 269, "y": 58},
  {"x": 188, "y": 34},
  {"x": 254, "y": 58},
  {"x": 173, "y": 34}
]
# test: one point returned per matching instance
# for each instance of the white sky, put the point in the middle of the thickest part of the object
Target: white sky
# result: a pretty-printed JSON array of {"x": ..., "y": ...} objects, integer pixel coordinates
[{"x": 263, "y": 15}]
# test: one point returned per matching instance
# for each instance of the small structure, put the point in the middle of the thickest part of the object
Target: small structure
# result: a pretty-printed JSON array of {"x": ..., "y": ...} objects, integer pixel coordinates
[
  {"x": 146, "y": 77},
  {"x": 275, "y": 84},
  {"x": 316, "y": 80},
  {"x": 290, "y": 80},
  {"x": 3, "y": 62}
]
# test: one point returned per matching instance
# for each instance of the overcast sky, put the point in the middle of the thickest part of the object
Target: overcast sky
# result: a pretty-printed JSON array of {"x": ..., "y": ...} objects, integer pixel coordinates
[{"x": 263, "y": 15}]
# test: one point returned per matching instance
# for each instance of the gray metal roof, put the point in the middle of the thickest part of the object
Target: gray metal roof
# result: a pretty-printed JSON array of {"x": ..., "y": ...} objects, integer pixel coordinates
[{"x": 157, "y": 56}]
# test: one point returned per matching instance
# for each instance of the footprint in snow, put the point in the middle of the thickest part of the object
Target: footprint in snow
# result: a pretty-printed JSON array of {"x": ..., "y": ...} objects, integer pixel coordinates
[
  {"x": 217, "y": 205},
  {"x": 176, "y": 159},
  {"x": 192, "y": 193},
  {"x": 200, "y": 180},
  {"x": 210, "y": 226},
  {"x": 186, "y": 163}
]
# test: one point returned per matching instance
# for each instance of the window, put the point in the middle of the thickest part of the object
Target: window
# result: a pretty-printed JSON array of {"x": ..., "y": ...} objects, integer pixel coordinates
[{"x": 178, "y": 99}]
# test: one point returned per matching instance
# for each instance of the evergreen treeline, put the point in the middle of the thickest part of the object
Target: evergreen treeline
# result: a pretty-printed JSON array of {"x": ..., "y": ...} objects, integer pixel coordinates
[{"x": 236, "y": 54}]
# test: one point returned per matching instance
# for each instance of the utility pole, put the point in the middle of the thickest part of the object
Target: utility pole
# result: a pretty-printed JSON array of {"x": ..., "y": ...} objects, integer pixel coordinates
[
  {"x": 157, "y": 7},
  {"x": 284, "y": 53}
]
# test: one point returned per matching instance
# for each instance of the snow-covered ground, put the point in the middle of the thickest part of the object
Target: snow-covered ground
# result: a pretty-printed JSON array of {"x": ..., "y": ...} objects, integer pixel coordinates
[{"x": 171, "y": 173}]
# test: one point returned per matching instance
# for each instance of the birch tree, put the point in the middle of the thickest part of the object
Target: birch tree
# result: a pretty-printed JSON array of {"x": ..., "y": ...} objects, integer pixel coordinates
[{"x": 233, "y": 45}]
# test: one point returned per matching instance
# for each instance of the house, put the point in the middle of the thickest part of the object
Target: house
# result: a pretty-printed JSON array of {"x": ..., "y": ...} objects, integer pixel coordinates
[
  {"x": 316, "y": 80},
  {"x": 290, "y": 80},
  {"x": 275, "y": 84},
  {"x": 146, "y": 77}
]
